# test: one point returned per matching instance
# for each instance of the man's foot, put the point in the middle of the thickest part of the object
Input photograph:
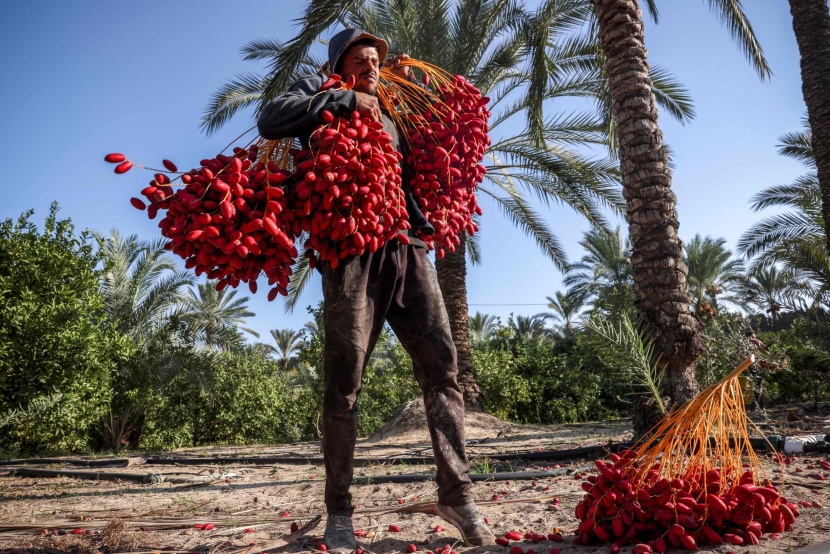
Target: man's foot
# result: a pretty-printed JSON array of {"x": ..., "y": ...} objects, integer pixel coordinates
[
  {"x": 339, "y": 536},
  {"x": 469, "y": 521}
]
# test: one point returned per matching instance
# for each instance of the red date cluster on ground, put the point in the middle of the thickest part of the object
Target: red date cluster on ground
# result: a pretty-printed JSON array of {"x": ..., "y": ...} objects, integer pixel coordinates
[
  {"x": 347, "y": 194},
  {"x": 676, "y": 513},
  {"x": 230, "y": 220},
  {"x": 445, "y": 157}
]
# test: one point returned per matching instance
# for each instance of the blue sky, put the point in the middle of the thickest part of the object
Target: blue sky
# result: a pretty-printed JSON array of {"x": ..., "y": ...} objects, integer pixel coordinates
[{"x": 81, "y": 79}]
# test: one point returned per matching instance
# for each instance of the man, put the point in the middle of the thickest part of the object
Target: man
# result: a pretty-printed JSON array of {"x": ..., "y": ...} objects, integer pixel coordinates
[{"x": 395, "y": 284}]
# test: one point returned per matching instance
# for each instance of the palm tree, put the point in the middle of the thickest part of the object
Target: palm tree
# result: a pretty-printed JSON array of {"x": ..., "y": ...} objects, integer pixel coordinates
[
  {"x": 141, "y": 288},
  {"x": 771, "y": 290},
  {"x": 713, "y": 274},
  {"x": 530, "y": 328},
  {"x": 603, "y": 275},
  {"x": 141, "y": 285},
  {"x": 566, "y": 307},
  {"x": 811, "y": 24},
  {"x": 214, "y": 317},
  {"x": 288, "y": 343},
  {"x": 511, "y": 55},
  {"x": 793, "y": 239},
  {"x": 659, "y": 272},
  {"x": 482, "y": 326}
]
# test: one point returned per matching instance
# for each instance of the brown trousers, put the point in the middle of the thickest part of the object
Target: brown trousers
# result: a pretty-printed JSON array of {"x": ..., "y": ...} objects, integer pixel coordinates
[{"x": 395, "y": 284}]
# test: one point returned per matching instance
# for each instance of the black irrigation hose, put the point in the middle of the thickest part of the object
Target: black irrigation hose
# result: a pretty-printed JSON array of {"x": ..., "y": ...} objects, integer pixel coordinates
[
  {"x": 38, "y": 472},
  {"x": 97, "y": 476},
  {"x": 362, "y": 462},
  {"x": 120, "y": 462},
  {"x": 501, "y": 476}
]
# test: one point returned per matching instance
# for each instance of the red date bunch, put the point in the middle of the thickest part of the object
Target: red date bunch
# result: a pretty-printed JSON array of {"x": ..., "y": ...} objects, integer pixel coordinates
[
  {"x": 347, "y": 194},
  {"x": 677, "y": 513},
  {"x": 447, "y": 146},
  {"x": 229, "y": 221}
]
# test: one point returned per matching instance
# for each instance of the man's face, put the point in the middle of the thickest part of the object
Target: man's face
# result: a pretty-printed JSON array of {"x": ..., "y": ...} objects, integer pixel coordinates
[{"x": 362, "y": 61}]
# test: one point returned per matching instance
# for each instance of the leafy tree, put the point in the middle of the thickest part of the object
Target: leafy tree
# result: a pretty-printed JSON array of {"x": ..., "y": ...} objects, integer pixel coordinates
[
  {"x": 245, "y": 402},
  {"x": 714, "y": 277},
  {"x": 807, "y": 343},
  {"x": 54, "y": 338},
  {"x": 659, "y": 273}
]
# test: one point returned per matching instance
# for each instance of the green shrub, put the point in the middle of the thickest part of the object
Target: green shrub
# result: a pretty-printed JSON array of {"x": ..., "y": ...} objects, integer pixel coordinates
[
  {"x": 243, "y": 401},
  {"x": 504, "y": 389},
  {"x": 53, "y": 339}
]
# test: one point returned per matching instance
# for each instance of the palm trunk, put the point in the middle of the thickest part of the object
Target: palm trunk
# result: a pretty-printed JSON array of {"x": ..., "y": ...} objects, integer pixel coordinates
[
  {"x": 452, "y": 278},
  {"x": 811, "y": 23},
  {"x": 659, "y": 272}
]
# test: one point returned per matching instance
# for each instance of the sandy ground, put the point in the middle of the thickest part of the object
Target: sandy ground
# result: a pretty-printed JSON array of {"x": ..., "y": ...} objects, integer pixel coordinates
[{"x": 257, "y": 503}]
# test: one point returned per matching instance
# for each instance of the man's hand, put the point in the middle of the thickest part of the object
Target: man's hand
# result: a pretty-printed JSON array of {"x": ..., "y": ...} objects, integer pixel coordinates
[
  {"x": 367, "y": 104},
  {"x": 402, "y": 71}
]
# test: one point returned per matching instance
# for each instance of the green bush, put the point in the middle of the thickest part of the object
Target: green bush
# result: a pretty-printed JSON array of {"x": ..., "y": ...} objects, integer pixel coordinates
[
  {"x": 53, "y": 339},
  {"x": 223, "y": 397},
  {"x": 807, "y": 344},
  {"x": 547, "y": 381},
  {"x": 504, "y": 389},
  {"x": 564, "y": 389}
]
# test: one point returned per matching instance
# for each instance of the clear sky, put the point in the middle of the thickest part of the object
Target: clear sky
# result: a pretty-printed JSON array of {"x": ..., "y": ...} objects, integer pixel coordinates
[{"x": 81, "y": 79}]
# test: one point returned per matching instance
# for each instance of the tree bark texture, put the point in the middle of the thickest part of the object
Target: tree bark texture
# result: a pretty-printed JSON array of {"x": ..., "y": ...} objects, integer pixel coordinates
[
  {"x": 811, "y": 23},
  {"x": 657, "y": 258},
  {"x": 452, "y": 278}
]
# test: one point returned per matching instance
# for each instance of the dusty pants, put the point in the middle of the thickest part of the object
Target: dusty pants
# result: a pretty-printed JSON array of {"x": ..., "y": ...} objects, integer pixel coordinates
[{"x": 396, "y": 284}]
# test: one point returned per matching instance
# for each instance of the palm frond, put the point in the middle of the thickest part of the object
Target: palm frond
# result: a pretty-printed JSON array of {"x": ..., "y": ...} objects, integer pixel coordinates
[
  {"x": 732, "y": 15},
  {"x": 523, "y": 217},
  {"x": 318, "y": 16},
  {"x": 652, "y": 10},
  {"x": 630, "y": 350},
  {"x": 777, "y": 229},
  {"x": 473, "y": 243},
  {"x": 301, "y": 276},
  {"x": 232, "y": 97},
  {"x": 802, "y": 194},
  {"x": 798, "y": 146},
  {"x": 671, "y": 96}
]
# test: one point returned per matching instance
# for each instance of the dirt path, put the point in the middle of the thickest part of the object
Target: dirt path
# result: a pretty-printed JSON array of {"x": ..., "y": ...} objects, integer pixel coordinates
[{"x": 257, "y": 504}]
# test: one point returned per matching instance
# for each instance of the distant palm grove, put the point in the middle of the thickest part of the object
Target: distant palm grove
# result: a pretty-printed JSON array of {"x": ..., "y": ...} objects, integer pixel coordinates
[{"x": 106, "y": 344}]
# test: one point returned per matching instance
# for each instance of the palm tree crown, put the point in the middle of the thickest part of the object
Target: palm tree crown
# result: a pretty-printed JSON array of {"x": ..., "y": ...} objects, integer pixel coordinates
[
  {"x": 713, "y": 274},
  {"x": 288, "y": 343},
  {"x": 603, "y": 275},
  {"x": 794, "y": 239},
  {"x": 482, "y": 327},
  {"x": 566, "y": 306},
  {"x": 214, "y": 318},
  {"x": 141, "y": 285}
]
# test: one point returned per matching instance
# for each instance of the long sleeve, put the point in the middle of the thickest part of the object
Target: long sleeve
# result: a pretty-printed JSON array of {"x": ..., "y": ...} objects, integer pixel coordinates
[{"x": 297, "y": 112}]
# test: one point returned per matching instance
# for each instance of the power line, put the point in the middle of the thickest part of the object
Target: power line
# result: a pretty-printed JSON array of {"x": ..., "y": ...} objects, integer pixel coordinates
[{"x": 507, "y": 304}]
